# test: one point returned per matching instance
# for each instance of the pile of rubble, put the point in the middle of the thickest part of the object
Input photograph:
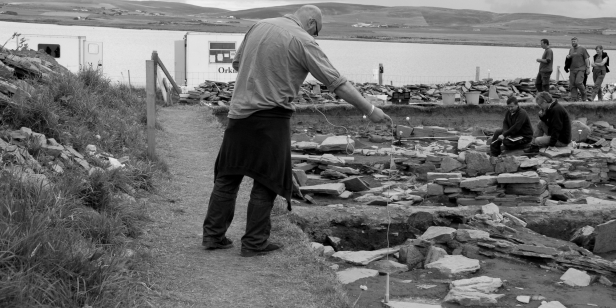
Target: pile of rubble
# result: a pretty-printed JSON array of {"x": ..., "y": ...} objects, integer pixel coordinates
[
  {"x": 16, "y": 157},
  {"x": 24, "y": 65},
  {"x": 469, "y": 177},
  {"x": 454, "y": 252},
  {"x": 219, "y": 93}
]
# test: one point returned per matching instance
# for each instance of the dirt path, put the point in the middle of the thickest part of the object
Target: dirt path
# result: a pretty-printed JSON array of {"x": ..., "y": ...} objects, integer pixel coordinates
[{"x": 186, "y": 275}]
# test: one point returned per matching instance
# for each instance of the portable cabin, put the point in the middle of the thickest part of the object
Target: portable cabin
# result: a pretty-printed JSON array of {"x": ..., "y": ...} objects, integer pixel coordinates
[
  {"x": 204, "y": 56},
  {"x": 72, "y": 52}
]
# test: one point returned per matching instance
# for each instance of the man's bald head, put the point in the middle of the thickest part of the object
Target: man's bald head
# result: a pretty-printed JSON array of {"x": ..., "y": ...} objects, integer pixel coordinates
[{"x": 311, "y": 18}]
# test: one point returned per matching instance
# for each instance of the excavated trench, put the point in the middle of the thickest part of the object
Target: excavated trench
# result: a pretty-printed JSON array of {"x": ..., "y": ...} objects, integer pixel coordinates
[{"x": 366, "y": 227}]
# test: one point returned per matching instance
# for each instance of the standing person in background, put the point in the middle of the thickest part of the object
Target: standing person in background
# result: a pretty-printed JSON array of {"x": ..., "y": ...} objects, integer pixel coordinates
[
  {"x": 272, "y": 63},
  {"x": 542, "y": 82},
  {"x": 580, "y": 65},
  {"x": 599, "y": 69}
]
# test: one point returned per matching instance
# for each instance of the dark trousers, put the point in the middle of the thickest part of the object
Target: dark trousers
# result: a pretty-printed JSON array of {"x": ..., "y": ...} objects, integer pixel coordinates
[
  {"x": 495, "y": 143},
  {"x": 221, "y": 209},
  {"x": 542, "y": 82},
  {"x": 597, "y": 77},
  {"x": 576, "y": 83}
]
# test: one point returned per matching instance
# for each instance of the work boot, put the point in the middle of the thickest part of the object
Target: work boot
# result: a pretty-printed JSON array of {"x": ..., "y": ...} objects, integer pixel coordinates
[
  {"x": 532, "y": 149},
  {"x": 245, "y": 252},
  {"x": 225, "y": 243}
]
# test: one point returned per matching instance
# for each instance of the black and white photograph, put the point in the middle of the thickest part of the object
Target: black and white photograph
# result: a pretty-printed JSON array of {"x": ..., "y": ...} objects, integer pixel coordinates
[{"x": 309, "y": 154}]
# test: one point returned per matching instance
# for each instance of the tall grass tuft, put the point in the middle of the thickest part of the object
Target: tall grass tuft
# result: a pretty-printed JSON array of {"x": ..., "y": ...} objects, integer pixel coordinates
[{"x": 67, "y": 245}]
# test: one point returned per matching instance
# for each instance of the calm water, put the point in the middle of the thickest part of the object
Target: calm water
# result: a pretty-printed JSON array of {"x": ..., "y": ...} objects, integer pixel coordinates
[{"x": 127, "y": 50}]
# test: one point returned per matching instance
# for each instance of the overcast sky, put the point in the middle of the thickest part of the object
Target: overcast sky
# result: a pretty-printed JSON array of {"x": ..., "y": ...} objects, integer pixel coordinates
[{"x": 572, "y": 8}]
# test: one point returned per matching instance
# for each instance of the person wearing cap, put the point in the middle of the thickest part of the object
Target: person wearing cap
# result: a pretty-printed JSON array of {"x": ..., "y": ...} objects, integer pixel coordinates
[
  {"x": 542, "y": 82},
  {"x": 579, "y": 67},
  {"x": 517, "y": 130},
  {"x": 599, "y": 69},
  {"x": 554, "y": 127}
]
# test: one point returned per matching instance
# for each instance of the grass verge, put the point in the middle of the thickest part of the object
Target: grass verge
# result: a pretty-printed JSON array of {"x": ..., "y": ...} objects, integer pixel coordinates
[
  {"x": 71, "y": 243},
  {"x": 304, "y": 267}
]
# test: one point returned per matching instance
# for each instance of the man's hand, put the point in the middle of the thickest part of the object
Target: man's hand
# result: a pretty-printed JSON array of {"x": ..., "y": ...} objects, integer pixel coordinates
[
  {"x": 540, "y": 112},
  {"x": 568, "y": 56},
  {"x": 588, "y": 70},
  {"x": 501, "y": 137},
  {"x": 379, "y": 116}
]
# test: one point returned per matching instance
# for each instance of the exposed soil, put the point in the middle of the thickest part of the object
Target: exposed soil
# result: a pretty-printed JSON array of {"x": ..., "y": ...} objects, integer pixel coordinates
[
  {"x": 186, "y": 275},
  {"x": 518, "y": 279}
]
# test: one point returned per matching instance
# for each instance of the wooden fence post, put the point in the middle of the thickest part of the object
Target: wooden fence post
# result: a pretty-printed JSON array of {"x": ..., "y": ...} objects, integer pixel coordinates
[
  {"x": 477, "y": 74},
  {"x": 557, "y": 75},
  {"x": 381, "y": 73},
  {"x": 150, "y": 73}
]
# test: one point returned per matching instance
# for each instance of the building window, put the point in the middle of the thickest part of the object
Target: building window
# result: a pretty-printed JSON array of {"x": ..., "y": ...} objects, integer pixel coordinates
[
  {"x": 51, "y": 49},
  {"x": 93, "y": 49},
  {"x": 222, "y": 52}
]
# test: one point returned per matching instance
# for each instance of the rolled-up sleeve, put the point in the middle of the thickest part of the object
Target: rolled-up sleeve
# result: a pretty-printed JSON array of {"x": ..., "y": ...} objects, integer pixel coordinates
[{"x": 317, "y": 63}]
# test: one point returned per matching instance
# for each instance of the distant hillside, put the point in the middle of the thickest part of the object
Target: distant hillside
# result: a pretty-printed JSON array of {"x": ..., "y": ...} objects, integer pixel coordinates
[
  {"x": 173, "y": 8},
  {"x": 328, "y": 9},
  {"x": 431, "y": 16}
]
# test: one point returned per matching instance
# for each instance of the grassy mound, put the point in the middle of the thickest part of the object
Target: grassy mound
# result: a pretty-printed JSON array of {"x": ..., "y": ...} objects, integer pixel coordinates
[{"x": 70, "y": 243}]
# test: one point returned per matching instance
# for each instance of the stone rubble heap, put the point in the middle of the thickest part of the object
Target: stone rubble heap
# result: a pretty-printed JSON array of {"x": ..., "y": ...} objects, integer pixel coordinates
[
  {"x": 51, "y": 157},
  {"x": 455, "y": 252},
  {"x": 219, "y": 93},
  {"x": 470, "y": 177}
]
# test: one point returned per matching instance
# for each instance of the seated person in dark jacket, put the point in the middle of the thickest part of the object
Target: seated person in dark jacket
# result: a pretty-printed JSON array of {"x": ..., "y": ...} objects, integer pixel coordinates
[
  {"x": 516, "y": 132},
  {"x": 554, "y": 129}
]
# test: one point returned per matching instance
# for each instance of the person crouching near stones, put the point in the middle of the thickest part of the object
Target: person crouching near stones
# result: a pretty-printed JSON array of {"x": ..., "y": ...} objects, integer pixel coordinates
[
  {"x": 599, "y": 69},
  {"x": 517, "y": 130},
  {"x": 554, "y": 129}
]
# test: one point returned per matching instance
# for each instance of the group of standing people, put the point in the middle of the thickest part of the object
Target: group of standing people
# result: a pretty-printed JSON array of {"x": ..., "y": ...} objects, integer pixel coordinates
[{"x": 579, "y": 64}]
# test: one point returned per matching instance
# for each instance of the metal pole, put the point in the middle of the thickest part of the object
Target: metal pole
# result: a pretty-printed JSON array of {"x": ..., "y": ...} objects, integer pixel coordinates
[
  {"x": 150, "y": 99},
  {"x": 557, "y": 74},
  {"x": 381, "y": 73},
  {"x": 477, "y": 74}
]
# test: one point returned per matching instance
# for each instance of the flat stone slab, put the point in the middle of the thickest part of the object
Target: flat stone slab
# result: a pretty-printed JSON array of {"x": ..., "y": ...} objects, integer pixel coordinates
[
  {"x": 538, "y": 249},
  {"x": 457, "y": 264},
  {"x": 392, "y": 304},
  {"x": 557, "y": 152},
  {"x": 355, "y": 273},
  {"x": 533, "y": 162},
  {"x": 480, "y": 181},
  {"x": 439, "y": 175},
  {"x": 605, "y": 238},
  {"x": 520, "y": 177},
  {"x": 554, "y": 304},
  {"x": 467, "y": 235},
  {"x": 483, "y": 284},
  {"x": 363, "y": 257},
  {"x": 355, "y": 183},
  {"x": 450, "y": 164},
  {"x": 337, "y": 143},
  {"x": 576, "y": 278},
  {"x": 438, "y": 234},
  {"x": 472, "y": 298},
  {"x": 388, "y": 266},
  {"x": 330, "y": 189},
  {"x": 576, "y": 184}
]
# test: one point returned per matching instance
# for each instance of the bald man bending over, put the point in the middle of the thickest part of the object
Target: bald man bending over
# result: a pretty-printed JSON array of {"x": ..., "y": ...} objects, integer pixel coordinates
[{"x": 272, "y": 63}]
